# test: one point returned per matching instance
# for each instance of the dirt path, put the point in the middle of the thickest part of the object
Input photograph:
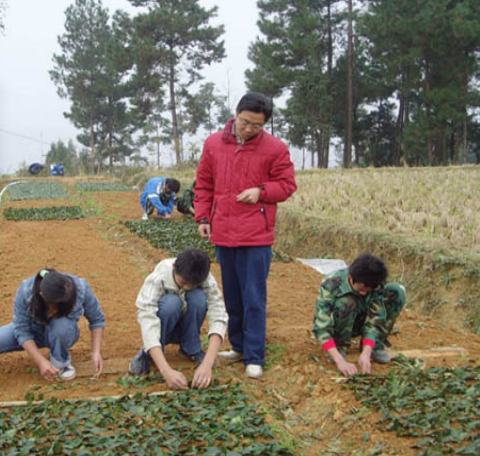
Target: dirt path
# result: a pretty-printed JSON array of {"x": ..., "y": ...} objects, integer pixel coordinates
[{"x": 300, "y": 387}]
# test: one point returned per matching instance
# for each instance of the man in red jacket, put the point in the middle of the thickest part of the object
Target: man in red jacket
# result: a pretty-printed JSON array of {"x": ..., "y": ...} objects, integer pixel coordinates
[{"x": 244, "y": 172}]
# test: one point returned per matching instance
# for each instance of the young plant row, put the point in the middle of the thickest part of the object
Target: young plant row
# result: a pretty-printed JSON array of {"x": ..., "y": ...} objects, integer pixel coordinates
[
  {"x": 176, "y": 236},
  {"x": 44, "y": 213},
  {"x": 214, "y": 421},
  {"x": 439, "y": 406},
  {"x": 37, "y": 191},
  {"x": 101, "y": 187}
]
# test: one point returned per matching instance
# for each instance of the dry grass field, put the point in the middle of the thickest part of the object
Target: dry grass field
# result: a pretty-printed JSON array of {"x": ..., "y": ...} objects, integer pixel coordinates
[{"x": 439, "y": 206}]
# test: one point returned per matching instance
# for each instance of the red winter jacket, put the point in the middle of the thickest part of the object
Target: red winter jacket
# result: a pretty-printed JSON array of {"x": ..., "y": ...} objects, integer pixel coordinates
[{"x": 227, "y": 169}]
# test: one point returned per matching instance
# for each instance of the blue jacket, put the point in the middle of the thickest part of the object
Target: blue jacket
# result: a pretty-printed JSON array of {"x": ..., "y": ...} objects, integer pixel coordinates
[
  {"x": 86, "y": 304},
  {"x": 152, "y": 191}
]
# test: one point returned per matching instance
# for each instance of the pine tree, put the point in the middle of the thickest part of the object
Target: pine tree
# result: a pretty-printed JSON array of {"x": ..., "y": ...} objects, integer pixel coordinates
[
  {"x": 173, "y": 42},
  {"x": 91, "y": 72}
]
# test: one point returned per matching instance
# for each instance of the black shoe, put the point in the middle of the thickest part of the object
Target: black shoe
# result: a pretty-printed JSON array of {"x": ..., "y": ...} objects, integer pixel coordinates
[{"x": 196, "y": 358}]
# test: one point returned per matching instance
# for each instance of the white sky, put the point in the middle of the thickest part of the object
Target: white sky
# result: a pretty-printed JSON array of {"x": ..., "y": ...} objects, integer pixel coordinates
[{"x": 29, "y": 104}]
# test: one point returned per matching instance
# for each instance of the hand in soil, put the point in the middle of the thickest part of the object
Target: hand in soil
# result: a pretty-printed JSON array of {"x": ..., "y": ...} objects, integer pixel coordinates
[
  {"x": 47, "y": 369},
  {"x": 176, "y": 380},
  {"x": 365, "y": 363},
  {"x": 202, "y": 377},
  {"x": 97, "y": 363},
  {"x": 346, "y": 368}
]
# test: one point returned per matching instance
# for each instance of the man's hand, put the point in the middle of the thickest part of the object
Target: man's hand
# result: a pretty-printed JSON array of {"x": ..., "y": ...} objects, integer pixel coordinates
[
  {"x": 346, "y": 368},
  {"x": 364, "y": 359},
  {"x": 204, "y": 230},
  {"x": 175, "y": 380},
  {"x": 97, "y": 363},
  {"x": 203, "y": 376},
  {"x": 47, "y": 369},
  {"x": 249, "y": 196}
]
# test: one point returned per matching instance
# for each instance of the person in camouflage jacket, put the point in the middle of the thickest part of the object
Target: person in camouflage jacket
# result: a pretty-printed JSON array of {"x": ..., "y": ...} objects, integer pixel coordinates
[
  {"x": 357, "y": 302},
  {"x": 185, "y": 202}
]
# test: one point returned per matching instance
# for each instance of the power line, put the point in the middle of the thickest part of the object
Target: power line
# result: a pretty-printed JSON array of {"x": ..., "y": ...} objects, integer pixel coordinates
[{"x": 24, "y": 136}]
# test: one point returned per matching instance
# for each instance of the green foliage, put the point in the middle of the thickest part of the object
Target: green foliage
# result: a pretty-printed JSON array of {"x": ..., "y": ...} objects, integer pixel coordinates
[
  {"x": 171, "y": 235},
  {"x": 44, "y": 213},
  {"x": 438, "y": 406},
  {"x": 214, "y": 421},
  {"x": 101, "y": 187},
  {"x": 37, "y": 191}
]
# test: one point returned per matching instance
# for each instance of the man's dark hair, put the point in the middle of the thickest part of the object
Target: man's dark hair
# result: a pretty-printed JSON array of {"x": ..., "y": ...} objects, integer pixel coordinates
[
  {"x": 172, "y": 184},
  {"x": 57, "y": 290},
  {"x": 369, "y": 270},
  {"x": 256, "y": 102},
  {"x": 193, "y": 265}
]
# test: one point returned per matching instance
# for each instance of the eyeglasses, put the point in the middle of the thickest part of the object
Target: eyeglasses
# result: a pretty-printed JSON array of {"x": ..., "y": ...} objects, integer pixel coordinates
[{"x": 247, "y": 124}]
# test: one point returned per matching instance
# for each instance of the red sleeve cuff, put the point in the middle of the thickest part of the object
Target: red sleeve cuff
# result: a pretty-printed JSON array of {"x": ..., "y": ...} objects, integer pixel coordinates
[
  {"x": 369, "y": 342},
  {"x": 329, "y": 344}
]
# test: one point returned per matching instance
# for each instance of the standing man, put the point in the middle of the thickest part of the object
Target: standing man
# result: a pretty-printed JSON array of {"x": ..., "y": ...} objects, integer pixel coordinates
[
  {"x": 243, "y": 173},
  {"x": 159, "y": 193}
]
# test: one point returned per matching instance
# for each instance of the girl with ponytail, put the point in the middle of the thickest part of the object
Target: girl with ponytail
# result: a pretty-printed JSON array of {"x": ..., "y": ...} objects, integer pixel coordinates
[{"x": 46, "y": 313}]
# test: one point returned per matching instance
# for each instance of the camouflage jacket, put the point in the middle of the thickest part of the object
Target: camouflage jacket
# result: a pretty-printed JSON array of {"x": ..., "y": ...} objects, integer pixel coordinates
[
  {"x": 185, "y": 202},
  {"x": 337, "y": 299}
]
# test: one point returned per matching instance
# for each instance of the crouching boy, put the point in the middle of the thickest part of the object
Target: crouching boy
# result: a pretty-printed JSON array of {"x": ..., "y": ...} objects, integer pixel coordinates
[
  {"x": 172, "y": 305},
  {"x": 357, "y": 302}
]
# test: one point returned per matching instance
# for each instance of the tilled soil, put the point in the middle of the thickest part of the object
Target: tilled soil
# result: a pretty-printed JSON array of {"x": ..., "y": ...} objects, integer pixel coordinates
[{"x": 301, "y": 386}]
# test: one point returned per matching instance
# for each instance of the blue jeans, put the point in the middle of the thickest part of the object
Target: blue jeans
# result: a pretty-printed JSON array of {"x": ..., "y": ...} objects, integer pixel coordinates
[
  {"x": 244, "y": 279},
  {"x": 58, "y": 335},
  {"x": 183, "y": 329}
]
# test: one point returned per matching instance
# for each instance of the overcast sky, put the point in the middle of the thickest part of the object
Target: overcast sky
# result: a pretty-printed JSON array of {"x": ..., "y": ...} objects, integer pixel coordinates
[{"x": 31, "y": 113}]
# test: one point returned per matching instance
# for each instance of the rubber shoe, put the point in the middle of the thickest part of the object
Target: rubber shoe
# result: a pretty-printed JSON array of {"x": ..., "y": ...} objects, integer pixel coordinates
[
  {"x": 140, "y": 364},
  {"x": 196, "y": 358},
  {"x": 253, "y": 371},
  {"x": 67, "y": 373},
  {"x": 230, "y": 356},
  {"x": 145, "y": 216},
  {"x": 381, "y": 356}
]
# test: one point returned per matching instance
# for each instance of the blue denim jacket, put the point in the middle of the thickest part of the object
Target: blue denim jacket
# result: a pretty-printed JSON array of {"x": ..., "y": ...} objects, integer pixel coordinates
[
  {"x": 86, "y": 304},
  {"x": 152, "y": 192}
]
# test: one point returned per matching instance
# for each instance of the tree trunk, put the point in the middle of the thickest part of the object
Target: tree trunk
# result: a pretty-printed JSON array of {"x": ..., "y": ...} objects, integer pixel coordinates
[
  {"x": 465, "y": 129},
  {"x": 347, "y": 158},
  {"x": 110, "y": 152},
  {"x": 328, "y": 117},
  {"x": 92, "y": 147},
  {"x": 319, "y": 148},
  {"x": 158, "y": 146},
  {"x": 173, "y": 109},
  {"x": 400, "y": 117}
]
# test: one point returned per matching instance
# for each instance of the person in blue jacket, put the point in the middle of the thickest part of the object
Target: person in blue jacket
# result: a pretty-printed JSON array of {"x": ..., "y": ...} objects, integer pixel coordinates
[
  {"x": 159, "y": 193},
  {"x": 46, "y": 313}
]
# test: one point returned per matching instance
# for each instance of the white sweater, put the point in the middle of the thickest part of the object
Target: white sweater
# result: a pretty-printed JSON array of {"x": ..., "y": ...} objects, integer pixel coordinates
[{"x": 161, "y": 282}]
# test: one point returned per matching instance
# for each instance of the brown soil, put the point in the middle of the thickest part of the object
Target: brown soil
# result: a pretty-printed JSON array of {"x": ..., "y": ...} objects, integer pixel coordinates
[{"x": 301, "y": 386}]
